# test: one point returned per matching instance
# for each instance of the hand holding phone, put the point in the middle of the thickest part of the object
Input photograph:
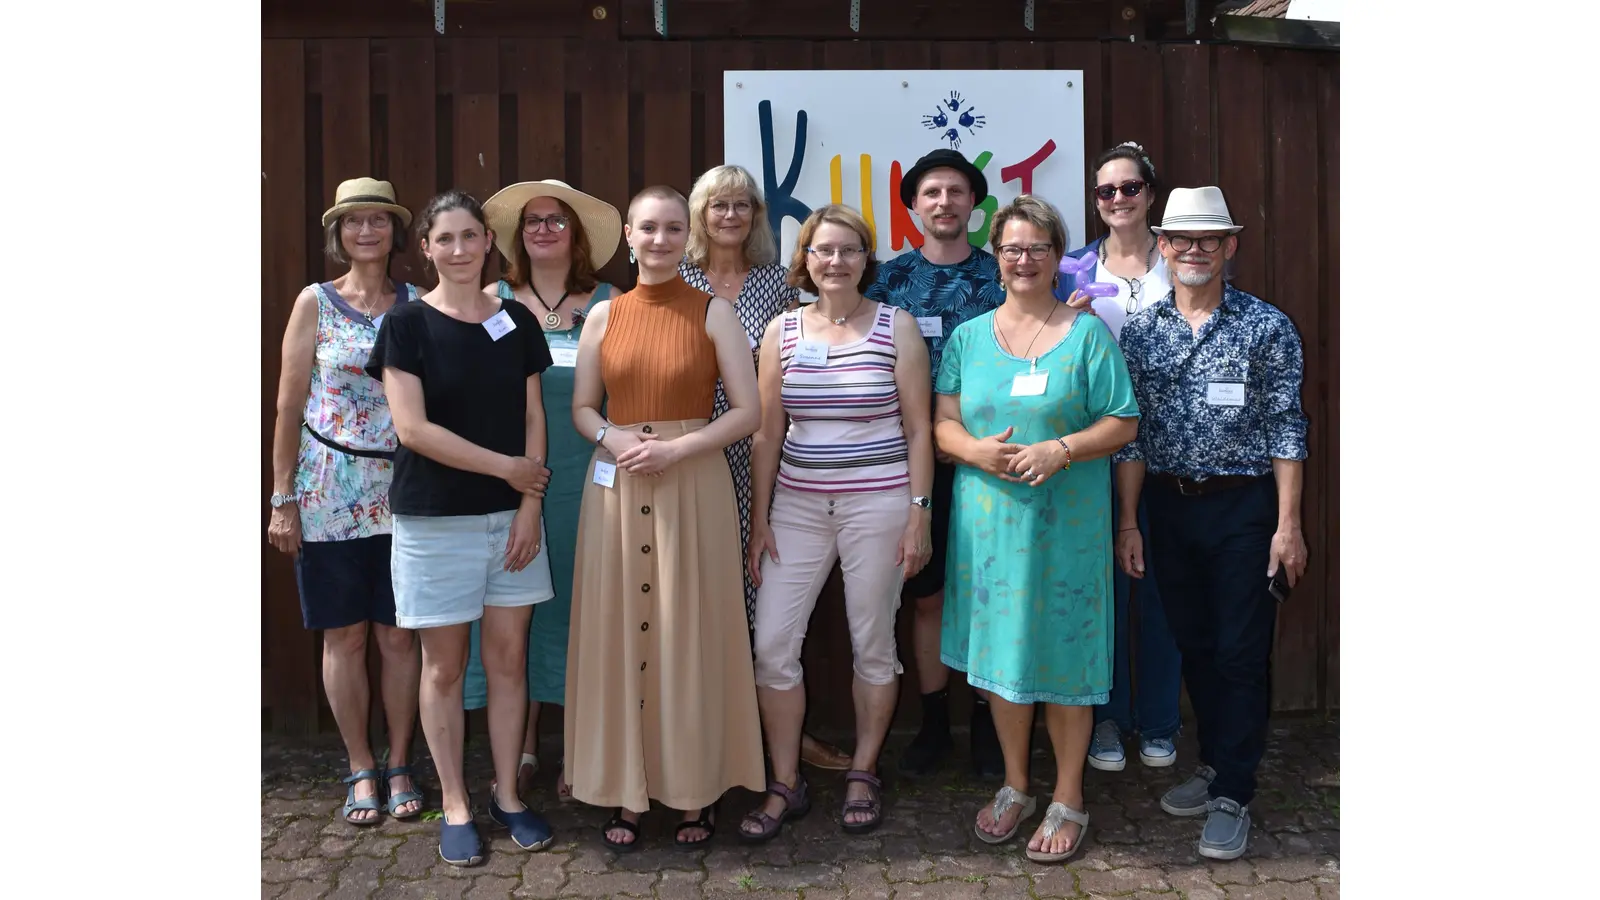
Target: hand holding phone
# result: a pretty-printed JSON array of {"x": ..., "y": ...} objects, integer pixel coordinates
[{"x": 1278, "y": 586}]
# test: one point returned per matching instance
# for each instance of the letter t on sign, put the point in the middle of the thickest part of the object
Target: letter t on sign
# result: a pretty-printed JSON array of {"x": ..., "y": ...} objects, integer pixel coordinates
[{"x": 1024, "y": 169}]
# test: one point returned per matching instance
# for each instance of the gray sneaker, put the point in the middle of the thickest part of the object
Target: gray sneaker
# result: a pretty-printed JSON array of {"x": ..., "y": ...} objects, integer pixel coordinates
[
  {"x": 1227, "y": 830},
  {"x": 1192, "y": 797}
]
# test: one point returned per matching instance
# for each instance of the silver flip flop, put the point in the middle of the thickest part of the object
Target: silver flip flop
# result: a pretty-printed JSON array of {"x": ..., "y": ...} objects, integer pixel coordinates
[
  {"x": 1004, "y": 799},
  {"x": 1056, "y": 815}
]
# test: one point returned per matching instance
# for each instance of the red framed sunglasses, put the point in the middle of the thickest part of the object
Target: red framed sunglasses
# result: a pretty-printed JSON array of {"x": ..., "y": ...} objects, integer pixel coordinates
[{"x": 1128, "y": 189}]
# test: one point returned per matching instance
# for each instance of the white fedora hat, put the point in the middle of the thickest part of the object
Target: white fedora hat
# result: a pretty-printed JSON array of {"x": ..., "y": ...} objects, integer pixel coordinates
[
  {"x": 1197, "y": 209},
  {"x": 601, "y": 221}
]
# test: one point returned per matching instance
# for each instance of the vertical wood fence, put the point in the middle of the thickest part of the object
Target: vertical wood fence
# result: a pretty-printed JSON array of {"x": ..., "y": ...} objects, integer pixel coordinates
[{"x": 611, "y": 115}]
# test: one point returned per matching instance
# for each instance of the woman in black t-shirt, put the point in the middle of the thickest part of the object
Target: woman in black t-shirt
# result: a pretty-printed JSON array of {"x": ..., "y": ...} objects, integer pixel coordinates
[{"x": 461, "y": 371}]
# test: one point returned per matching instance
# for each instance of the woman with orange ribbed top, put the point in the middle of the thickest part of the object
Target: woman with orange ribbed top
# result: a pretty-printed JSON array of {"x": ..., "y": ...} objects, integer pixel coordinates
[{"x": 661, "y": 701}]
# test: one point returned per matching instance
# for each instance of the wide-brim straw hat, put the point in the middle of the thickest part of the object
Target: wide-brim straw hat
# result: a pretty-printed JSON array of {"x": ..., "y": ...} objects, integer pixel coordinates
[
  {"x": 1196, "y": 209},
  {"x": 602, "y": 224},
  {"x": 365, "y": 193}
]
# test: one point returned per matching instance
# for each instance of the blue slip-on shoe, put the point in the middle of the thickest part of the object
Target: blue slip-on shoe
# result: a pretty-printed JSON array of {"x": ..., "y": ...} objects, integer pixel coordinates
[
  {"x": 528, "y": 829},
  {"x": 1227, "y": 830},
  {"x": 459, "y": 844}
]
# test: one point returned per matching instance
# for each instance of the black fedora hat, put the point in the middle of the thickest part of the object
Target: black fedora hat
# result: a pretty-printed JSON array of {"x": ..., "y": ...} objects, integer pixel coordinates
[{"x": 942, "y": 159}]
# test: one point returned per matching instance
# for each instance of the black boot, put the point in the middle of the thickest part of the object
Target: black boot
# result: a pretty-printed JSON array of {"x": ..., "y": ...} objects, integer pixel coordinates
[
  {"x": 987, "y": 760},
  {"x": 932, "y": 743}
]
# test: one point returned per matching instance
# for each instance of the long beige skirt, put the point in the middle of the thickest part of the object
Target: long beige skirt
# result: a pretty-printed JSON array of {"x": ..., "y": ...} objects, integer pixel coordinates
[{"x": 661, "y": 698}]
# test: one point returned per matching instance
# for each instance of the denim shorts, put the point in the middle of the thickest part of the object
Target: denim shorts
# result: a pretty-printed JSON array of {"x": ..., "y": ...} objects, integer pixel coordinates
[{"x": 446, "y": 569}]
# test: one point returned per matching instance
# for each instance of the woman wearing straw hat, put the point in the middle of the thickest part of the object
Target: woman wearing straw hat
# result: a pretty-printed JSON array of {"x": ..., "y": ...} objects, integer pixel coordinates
[
  {"x": 331, "y": 465},
  {"x": 732, "y": 253},
  {"x": 553, "y": 239},
  {"x": 661, "y": 695}
]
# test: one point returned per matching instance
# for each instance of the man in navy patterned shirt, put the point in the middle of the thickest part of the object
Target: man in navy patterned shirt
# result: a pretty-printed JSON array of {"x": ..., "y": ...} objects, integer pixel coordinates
[
  {"x": 1219, "y": 455},
  {"x": 944, "y": 283}
]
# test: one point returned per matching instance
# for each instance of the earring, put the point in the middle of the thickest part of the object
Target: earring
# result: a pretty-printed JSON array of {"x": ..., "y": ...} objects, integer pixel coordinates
[
  {"x": 1056, "y": 281},
  {"x": 630, "y": 256}
]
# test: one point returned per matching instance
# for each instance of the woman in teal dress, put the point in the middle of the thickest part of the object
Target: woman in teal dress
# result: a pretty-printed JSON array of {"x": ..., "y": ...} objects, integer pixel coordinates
[
  {"x": 1033, "y": 398},
  {"x": 553, "y": 239}
]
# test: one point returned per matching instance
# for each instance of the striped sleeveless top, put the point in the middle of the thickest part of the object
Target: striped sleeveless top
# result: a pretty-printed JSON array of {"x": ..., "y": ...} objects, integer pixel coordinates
[{"x": 844, "y": 433}]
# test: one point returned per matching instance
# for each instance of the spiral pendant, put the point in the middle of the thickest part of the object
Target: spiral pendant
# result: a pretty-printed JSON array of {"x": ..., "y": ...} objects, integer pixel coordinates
[{"x": 552, "y": 319}]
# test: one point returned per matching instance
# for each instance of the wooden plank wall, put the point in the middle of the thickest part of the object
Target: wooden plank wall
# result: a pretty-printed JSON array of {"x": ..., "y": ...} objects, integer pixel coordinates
[{"x": 611, "y": 115}]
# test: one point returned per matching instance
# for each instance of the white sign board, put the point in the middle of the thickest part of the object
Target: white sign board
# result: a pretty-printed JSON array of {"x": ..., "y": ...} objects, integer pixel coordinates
[{"x": 812, "y": 138}]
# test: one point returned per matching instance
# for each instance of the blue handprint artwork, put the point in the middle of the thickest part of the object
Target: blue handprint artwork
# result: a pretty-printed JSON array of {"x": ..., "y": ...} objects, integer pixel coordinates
[{"x": 940, "y": 120}]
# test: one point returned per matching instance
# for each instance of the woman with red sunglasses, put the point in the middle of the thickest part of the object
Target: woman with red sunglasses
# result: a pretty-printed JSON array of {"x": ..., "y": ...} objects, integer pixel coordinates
[{"x": 1124, "y": 189}]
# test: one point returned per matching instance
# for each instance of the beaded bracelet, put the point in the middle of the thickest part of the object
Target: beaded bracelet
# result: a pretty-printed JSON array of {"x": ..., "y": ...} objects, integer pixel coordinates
[{"x": 1068, "y": 464}]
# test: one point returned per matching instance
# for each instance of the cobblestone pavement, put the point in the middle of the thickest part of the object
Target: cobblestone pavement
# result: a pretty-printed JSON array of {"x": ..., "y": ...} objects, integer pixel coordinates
[{"x": 925, "y": 849}]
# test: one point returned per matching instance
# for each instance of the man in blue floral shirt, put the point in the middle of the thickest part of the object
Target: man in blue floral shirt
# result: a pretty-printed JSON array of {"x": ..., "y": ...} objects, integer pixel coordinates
[
  {"x": 943, "y": 283},
  {"x": 1219, "y": 459}
]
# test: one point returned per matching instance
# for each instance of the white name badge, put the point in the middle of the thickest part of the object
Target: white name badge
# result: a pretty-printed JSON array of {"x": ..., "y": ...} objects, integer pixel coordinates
[
  {"x": 378, "y": 322},
  {"x": 1225, "y": 393},
  {"x": 811, "y": 353},
  {"x": 499, "y": 325},
  {"x": 605, "y": 474},
  {"x": 565, "y": 357},
  {"x": 930, "y": 326},
  {"x": 1029, "y": 385}
]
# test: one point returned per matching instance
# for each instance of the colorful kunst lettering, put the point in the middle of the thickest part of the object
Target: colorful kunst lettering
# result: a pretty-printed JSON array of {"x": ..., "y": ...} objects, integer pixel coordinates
[{"x": 903, "y": 231}]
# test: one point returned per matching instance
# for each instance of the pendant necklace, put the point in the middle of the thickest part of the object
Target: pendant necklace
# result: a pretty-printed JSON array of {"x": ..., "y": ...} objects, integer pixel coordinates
[{"x": 552, "y": 318}]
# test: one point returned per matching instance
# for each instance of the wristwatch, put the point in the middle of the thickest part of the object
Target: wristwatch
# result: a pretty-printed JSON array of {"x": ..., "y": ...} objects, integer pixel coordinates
[
  {"x": 924, "y": 502},
  {"x": 600, "y": 436},
  {"x": 278, "y": 499}
]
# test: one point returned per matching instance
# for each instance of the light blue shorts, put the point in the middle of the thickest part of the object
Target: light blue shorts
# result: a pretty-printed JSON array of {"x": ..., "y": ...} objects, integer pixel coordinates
[{"x": 446, "y": 569}]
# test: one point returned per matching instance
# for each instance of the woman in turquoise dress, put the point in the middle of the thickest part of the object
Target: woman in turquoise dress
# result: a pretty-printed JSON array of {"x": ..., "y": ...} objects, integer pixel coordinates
[
  {"x": 1033, "y": 398},
  {"x": 553, "y": 239}
]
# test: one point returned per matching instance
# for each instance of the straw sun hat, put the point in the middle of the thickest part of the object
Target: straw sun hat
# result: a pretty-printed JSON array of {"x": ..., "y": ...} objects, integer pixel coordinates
[
  {"x": 365, "y": 193},
  {"x": 601, "y": 221}
]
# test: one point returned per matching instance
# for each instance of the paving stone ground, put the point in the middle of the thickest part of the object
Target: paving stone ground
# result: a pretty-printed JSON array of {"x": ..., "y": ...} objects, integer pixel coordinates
[{"x": 925, "y": 850}]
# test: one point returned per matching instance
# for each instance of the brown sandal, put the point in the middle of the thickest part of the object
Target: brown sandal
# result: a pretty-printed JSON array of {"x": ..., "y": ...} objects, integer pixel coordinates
[
  {"x": 873, "y": 804},
  {"x": 797, "y": 803}
]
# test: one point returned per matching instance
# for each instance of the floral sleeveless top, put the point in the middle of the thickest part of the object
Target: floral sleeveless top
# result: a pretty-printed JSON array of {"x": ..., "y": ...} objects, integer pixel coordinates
[{"x": 343, "y": 496}]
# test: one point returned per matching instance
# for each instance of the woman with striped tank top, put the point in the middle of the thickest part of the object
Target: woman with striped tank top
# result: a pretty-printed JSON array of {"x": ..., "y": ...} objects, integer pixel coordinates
[{"x": 845, "y": 392}]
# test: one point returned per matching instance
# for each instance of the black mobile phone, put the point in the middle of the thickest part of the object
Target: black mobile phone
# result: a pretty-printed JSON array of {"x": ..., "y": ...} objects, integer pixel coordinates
[{"x": 1278, "y": 586}]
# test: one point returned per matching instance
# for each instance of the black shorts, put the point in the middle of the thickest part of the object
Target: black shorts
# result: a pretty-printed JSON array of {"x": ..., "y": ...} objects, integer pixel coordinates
[
  {"x": 344, "y": 583},
  {"x": 931, "y": 579}
]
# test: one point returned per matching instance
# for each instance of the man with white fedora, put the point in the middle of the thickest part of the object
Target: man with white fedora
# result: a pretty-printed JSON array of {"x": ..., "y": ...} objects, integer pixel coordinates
[{"x": 1219, "y": 458}]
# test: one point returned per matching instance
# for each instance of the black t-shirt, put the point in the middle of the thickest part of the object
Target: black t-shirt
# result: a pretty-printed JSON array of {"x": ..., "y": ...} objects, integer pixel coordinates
[{"x": 472, "y": 385}]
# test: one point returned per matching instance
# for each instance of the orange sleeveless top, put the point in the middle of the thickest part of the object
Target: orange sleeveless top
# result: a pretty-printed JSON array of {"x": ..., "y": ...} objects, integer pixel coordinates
[{"x": 656, "y": 360}]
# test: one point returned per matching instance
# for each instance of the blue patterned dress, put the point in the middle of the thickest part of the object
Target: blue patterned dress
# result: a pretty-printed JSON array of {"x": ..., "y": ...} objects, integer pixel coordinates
[{"x": 1028, "y": 603}]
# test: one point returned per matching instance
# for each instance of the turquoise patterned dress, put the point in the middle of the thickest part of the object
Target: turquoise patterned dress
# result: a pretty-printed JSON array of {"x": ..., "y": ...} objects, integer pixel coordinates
[
  {"x": 569, "y": 454},
  {"x": 1028, "y": 602}
]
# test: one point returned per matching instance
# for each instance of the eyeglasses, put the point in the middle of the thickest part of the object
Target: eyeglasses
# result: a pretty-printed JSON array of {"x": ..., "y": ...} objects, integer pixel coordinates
[
  {"x": 553, "y": 223},
  {"x": 1183, "y": 243},
  {"x": 378, "y": 221},
  {"x": 1135, "y": 288},
  {"x": 1013, "y": 252},
  {"x": 1128, "y": 189},
  {"x": 850, "y": 254},
  {"x": 742, "y": 207}
]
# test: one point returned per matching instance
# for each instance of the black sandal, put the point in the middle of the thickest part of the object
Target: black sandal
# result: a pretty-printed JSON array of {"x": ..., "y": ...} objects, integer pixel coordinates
[
  {"x": 702, "y": 821},
  {"x": 617, "y": 821}
]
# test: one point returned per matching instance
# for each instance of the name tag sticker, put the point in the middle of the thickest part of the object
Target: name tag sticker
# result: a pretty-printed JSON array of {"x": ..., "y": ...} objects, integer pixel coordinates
[
  {"x": 1225, "y": 393},
  {"x": 499, "y": 325},
  {"x": 753, "y": 344},
  {"x": 1029, "y": 385},
  {"x": 605, "y": 474},
  {"x": 811, "y": 353},
  {"x": 930, "y": 326},
  {"x": 565, "y": 357},
  {"x": 378, "y": 322}
]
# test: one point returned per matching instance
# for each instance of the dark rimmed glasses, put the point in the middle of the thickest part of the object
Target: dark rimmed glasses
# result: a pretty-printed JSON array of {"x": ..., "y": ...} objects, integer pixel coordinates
[
  {"x": 553, "y": 223},
  {"x": 1128, "y": 189},
  {"x": 1183, "y": 243},
  {"x": 1013, "y": 252}
]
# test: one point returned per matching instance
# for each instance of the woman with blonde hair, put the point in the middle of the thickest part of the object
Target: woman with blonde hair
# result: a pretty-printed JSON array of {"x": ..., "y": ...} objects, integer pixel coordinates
[
  {"x": 1033, "y": 398},
  {"x": 661, "y": 695},
  {"x": 733, "y": 254}
]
